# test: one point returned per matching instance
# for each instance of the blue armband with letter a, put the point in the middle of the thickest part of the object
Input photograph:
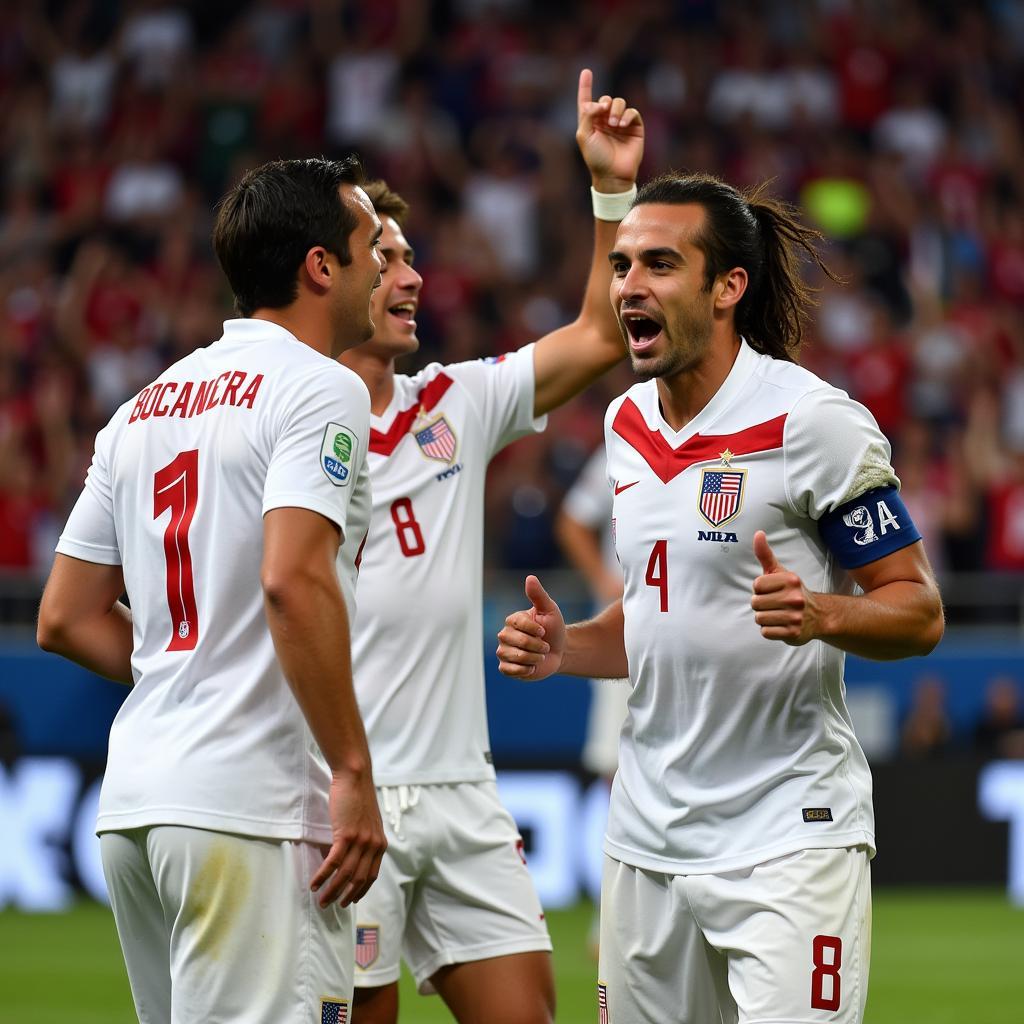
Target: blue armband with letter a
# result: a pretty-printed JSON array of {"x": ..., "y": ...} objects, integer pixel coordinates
[{"x": 869, "y": 527}]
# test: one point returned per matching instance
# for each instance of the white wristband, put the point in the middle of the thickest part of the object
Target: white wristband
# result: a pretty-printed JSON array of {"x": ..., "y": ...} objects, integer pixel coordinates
[{"x": 612, "y": 205}]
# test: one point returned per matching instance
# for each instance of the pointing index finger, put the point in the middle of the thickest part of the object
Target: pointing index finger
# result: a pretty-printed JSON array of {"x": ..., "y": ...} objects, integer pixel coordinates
[{"x": 585, "y": 93}]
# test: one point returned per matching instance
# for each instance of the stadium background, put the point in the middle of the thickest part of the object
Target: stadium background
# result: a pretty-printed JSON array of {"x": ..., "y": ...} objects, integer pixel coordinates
[{"x": 899, "y": 129}]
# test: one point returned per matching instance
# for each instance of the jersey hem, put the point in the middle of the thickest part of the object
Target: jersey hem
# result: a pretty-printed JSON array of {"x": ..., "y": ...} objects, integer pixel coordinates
[
  {"x": 236, "y": 824},
  {"x": 663, "y": 865}
]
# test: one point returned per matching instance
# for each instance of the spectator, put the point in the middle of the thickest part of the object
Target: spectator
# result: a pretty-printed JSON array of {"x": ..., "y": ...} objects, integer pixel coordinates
[
  {"x": 926, "y": 730},
  {"x": 1000, "y": 733},
  {"x": 895, "y": 126}
]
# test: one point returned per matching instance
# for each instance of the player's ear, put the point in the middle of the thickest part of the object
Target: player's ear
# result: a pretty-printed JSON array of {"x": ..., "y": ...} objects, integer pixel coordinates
[
  {"x": 317, "y": 267},
  {"x": 729, "y": 288}
]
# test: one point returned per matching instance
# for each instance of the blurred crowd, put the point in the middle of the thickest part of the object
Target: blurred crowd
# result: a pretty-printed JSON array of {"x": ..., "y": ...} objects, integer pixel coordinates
[{"x": 897, "y": 126}]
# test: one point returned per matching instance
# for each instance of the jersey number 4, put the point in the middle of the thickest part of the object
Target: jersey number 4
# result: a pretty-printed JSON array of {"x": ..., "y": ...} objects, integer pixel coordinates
[
  {"x": 657, "y": 572},
  {"x": 176, "y": 488}
]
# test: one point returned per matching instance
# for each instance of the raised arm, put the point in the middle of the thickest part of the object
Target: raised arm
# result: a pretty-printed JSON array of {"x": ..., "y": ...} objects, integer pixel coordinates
[
  {"x": 309, "y": 624},
  {"x": 611, "y": 139}
]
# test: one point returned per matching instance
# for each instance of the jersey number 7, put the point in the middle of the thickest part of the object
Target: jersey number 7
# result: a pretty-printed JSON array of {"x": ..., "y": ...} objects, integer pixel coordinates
[{"x": 176, "y": 488}]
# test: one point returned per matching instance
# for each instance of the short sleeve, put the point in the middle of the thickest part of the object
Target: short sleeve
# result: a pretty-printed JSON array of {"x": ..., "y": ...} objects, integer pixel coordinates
[
  {"x": 589, "y": 500},
  {"x": 502, "y": 390},
  {"x": 90, "y": 533},
  {"x": 321, "y": 448},
  {"x": 834, "y": 453}
]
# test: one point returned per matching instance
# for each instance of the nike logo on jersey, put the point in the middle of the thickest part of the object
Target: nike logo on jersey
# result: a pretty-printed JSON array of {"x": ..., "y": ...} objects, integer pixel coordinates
[{"x": 624, "y": 487}]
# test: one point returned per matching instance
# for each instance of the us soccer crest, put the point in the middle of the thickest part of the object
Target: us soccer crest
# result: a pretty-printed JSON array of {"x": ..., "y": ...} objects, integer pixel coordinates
[
  {"x": 337, "y": 454},
  {"x": 721, "y": 491},
  {"x": 367, "y": 945},
  {"x": 437, "y": 440}
]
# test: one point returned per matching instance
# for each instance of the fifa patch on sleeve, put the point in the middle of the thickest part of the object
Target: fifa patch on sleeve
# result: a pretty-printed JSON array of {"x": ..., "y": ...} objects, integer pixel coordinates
[
  {"x": 869, "y": 527},
  {"x": 337, "y": 453}
]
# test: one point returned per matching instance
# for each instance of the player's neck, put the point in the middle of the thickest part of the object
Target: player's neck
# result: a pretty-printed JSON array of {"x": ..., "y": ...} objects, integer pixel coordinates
[
  {"x": 377, "y": 372},
  {"x": 309, "y": 330},
  {"x": 684, "y": 395}
]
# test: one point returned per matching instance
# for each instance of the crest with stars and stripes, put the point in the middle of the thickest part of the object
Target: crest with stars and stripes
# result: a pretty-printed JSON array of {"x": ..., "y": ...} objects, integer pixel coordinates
[
  {"x": 721, "y": 493},
  {"x": 367, "y": 944},
  {"x": 437, "y": 440},
  {"x": 602, "y": 1003}
]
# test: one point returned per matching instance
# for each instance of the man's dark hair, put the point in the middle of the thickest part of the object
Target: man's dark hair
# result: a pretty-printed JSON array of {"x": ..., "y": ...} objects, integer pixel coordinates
[
  {"x": 268, "y": 222},
  {"x": 386, "y": 201},
  {"x": 762, "y": 235}
]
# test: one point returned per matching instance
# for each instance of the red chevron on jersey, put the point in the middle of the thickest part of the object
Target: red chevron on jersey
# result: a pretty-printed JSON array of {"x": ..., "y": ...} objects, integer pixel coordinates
[
  {"x": 382, "y": 443},
  {"x": 668, "y": 462}
]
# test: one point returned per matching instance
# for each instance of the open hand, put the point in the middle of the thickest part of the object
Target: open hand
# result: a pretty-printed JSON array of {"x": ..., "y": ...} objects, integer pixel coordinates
[{"x": 352, "y": 863}]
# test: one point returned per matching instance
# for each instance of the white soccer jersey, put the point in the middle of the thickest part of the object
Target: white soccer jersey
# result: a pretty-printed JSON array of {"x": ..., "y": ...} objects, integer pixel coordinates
[
  {"x": 417, "y": 641},
  {"x": 211, "y": 736},
  {"x": 738, "y": 749}
]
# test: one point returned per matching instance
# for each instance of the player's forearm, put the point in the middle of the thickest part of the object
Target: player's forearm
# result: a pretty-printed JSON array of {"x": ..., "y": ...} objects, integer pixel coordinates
[
  {"x": 596, "y": 648},
  {"x": 902, "y": 619},
  {"x": 102, "y": 643},
  {"x": 309, "y": 625}
]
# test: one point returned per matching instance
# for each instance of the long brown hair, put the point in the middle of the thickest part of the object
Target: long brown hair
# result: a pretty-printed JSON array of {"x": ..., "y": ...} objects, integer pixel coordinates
[{"x": 764, "y": 236}]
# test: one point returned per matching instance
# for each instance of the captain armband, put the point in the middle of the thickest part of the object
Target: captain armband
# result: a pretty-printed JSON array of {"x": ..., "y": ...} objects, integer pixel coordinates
[{"x": 868, "y": 527}]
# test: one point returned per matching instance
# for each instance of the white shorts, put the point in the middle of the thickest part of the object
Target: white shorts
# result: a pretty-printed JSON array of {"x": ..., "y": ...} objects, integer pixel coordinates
[
  {"x": 453, "y": 887},
  {"x": 787, "y": 941},
  {"x": 223, "y": 929}
]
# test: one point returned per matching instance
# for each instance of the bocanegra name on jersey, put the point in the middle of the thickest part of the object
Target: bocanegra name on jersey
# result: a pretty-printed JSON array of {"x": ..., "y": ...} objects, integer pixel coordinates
[{"x": 171, "y": 398}]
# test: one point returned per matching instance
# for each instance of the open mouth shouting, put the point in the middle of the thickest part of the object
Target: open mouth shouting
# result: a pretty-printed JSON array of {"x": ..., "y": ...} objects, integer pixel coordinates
[{"x": 643, "y": 329}]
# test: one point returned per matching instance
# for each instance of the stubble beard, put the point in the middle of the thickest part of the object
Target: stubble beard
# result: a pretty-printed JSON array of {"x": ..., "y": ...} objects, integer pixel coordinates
[{"x": 694, "y": 328}]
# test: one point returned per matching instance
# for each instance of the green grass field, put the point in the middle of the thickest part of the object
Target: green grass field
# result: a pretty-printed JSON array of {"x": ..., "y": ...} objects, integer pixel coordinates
[{"x": 939, "y": 957}]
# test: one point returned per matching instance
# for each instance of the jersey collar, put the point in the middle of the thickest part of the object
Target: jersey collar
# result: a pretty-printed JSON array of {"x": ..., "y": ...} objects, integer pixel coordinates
[
  {"x": 245, "y": 330},
  {"x": 742, "y": 369}
]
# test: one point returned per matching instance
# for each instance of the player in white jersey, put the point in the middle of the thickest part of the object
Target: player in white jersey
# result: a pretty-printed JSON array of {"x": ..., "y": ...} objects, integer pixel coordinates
[
  {"x": 736, "y": 875},
  {"x": 231, "y": 494},
  {"x": 454, "y": 897}
]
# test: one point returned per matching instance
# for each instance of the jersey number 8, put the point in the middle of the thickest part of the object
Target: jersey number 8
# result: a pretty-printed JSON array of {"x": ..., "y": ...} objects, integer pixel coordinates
[{"x": 407, "y": 529}]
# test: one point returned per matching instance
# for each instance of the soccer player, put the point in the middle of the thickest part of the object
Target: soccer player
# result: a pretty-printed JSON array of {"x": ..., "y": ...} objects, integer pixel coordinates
[
  {"x": 736, "y": 873},
  {"x": 229, "y": 495},
  {"x": 454, "y": 897}
]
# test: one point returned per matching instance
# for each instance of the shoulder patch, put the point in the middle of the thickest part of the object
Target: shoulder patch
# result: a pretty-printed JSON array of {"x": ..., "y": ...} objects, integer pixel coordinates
[{"x": 337, "y": 453}]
